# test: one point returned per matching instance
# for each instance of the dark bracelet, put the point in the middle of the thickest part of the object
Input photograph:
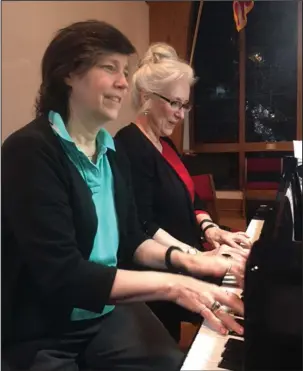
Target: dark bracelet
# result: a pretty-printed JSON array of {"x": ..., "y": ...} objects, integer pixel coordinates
[
  {"x": 203, "y": 221},
  {"x": 168, "y": 263},
  {"x": 206, "y": 228}
]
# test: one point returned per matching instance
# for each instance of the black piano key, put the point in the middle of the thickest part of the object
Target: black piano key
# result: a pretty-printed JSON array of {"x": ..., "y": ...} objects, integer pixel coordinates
[
  {"x": 232, "y": 356},
  {"x": 235, "y": 345},
  {"x": 232, "y": 366},
  {"x": 241, "y": 323}
]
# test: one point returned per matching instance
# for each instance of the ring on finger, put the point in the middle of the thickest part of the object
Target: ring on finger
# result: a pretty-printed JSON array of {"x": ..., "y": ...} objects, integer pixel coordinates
[{"x": 215, "y": 306}]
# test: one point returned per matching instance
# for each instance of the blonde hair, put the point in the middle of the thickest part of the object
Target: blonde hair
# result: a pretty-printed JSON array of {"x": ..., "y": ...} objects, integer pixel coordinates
[{"x": 159, "y": 67}]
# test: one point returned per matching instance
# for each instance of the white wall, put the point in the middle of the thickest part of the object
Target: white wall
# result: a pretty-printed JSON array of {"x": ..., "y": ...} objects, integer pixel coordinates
[{"x": 27, "y": 28}]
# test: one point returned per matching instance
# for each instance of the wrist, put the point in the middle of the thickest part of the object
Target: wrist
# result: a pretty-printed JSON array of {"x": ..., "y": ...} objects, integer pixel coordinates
[
  {"x": 197, "y": 265},
  {"x": 208, "y": 230},
  {"x": 171, "y": 286},
  {"x": 178, "y": 284},
  {"x": 204, "y": 222},
  {"x": 205, "y": 265},
  {"x": 178, "y": 260},
  {"x": 164, "y": 285}
]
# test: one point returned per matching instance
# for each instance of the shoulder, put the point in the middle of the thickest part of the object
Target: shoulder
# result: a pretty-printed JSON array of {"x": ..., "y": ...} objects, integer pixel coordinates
[
  {"x": 134, "y": 142},
  {"x": 34, "y": 135},
  {"x": 35, "y": 144},
  {"x": 126, "y": 132},
  {"x": 130, "y": 136}
]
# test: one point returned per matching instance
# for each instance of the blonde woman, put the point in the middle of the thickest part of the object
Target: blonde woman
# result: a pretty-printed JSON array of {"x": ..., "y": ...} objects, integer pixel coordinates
[{"x": 168, "y": 207}]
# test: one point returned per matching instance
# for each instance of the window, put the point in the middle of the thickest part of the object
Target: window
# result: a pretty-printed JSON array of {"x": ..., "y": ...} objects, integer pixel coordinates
[
  {"x": 216, "y": 63},
  {"x": 271, "y": 72}
]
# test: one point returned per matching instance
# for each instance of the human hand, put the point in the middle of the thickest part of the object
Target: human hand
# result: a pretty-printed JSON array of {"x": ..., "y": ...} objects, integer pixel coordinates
[
  {"x": 211, "y": 301},
  {"x": 228, "y": 251},
  {"x": 217, "y": 236},
  {"x": 217, "y": 265}
]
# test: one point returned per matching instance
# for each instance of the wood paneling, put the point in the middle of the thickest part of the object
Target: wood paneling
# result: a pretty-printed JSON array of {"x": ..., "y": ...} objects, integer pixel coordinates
[
  {"x": 216, "y": 147},
  {"x": 262, "y": 194},
  {"x": 268, "y": 147},
  {"x": 245, "y": 147},
  {"x": 170, "y": 22}
]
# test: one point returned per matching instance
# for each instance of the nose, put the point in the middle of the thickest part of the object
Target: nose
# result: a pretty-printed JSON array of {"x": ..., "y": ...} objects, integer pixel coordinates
[
  {"x": 180, "y": 114},
  {"x": 121, "y": 82}
]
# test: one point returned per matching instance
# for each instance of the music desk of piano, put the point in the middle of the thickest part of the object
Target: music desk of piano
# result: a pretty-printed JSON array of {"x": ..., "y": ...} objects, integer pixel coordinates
[{"x": 208, "y": 345}]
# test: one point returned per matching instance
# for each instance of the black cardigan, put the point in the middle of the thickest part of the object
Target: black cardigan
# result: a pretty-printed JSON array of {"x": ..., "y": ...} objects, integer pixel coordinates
[
  {"x": 48, "y": 228},
  {"x": 162, "y": 198}
]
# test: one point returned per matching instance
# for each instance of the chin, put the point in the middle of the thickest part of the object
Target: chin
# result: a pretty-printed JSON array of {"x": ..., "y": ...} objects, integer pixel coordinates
[
  {"x": 167, "y": 132},
  {"x": 108, "y": 115},
  {"x": 112, "y": 117}
]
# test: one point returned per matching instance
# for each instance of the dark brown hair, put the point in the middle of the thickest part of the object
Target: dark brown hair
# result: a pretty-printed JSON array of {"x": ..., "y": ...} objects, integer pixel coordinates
[{"x": 75, "y": 48}]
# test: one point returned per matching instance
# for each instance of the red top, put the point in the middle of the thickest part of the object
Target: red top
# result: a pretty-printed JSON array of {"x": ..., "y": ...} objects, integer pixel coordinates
[{"x": 173, "y": 159}]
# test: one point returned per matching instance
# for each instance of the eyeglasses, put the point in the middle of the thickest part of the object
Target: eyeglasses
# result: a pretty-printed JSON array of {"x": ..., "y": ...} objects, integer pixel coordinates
[{"x": 176, "y": 105}]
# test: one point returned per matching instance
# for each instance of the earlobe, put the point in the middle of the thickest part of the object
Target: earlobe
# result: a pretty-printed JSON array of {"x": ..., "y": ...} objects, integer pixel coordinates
[{"x": 68, "y": 81}]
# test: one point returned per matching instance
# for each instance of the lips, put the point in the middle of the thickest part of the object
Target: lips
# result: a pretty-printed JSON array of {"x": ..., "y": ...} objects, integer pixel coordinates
[{"x": 114, "y": 98}]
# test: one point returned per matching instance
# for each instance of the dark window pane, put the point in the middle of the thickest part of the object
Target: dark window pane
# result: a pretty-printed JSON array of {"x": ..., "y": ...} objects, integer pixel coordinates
[
  {"x": 271, "y": 72},
  {"x": 216, "y": 64},
  {"x": 224, "y": 168}
]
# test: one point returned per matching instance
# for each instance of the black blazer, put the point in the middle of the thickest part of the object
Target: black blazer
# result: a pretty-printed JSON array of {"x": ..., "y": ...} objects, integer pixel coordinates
[
  {"x": 162, "y": 198},
  {"x": 48, "y": 228}
]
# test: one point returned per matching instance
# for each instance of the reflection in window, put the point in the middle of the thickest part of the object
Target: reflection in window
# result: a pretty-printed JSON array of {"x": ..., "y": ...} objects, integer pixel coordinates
[
  {"x": 216, "y": 64},
  {"x": 271, "y": 72},
  {"x": 224, "y": 168}
]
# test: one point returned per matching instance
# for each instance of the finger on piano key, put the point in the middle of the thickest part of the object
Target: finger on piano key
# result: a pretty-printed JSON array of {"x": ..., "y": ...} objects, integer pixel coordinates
[
  {"x": 229, "y": 321},
  {"x": 241, "y": 323},
  {"x": 230, "y": 299},
  {"x": 221, "y": 320},
  {"x": 214, "y": 322}
]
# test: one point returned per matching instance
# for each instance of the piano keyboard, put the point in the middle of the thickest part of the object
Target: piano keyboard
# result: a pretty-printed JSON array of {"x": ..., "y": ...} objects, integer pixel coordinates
[{"x": 211, "y": 350}]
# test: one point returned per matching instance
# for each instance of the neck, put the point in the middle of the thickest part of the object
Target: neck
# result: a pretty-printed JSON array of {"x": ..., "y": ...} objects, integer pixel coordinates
[
  {"x": 146, "y": 126},
  {"x": 83, "y": 129}
]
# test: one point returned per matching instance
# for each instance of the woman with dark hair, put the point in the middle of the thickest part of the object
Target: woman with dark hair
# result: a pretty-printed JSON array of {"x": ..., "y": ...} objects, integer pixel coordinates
[{"x": 70, "y": 232}]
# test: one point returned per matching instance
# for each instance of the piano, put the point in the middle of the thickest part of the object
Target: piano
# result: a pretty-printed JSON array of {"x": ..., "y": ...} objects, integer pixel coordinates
[{"x": 272, "y": 297}]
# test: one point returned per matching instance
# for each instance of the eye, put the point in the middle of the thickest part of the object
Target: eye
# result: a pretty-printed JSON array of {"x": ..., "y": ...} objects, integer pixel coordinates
[
  {"x": 108, "y": 67},
  {"x": 187, "y": 106},
  {"x": 126, "y": 74},
  {"x": 175, "y": 104}
]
